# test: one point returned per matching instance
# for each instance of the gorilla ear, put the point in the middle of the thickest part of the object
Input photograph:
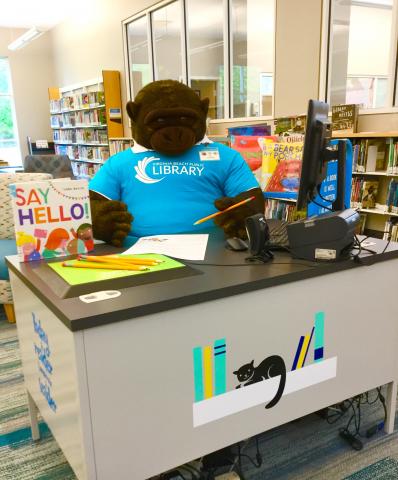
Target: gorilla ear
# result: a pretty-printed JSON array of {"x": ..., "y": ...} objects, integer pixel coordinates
[
  {"x": 132, "y": 110},
  {"x": 205, "y": 105}
]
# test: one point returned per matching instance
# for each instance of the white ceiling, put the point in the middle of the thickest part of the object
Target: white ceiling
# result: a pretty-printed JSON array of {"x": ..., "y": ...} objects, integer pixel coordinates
[{"x": 43, "y": 14}]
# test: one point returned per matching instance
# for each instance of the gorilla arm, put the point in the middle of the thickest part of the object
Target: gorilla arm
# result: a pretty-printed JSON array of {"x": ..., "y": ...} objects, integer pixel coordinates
[
  {"x": 233, "y": 222},
  {"x": 110, "y": 218}
]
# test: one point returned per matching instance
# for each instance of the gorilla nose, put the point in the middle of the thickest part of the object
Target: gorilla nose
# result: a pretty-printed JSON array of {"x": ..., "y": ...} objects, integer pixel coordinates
[{"x": 173, "y": 140}]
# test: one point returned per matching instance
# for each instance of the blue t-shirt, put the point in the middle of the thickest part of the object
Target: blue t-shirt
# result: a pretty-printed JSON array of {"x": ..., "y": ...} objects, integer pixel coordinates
[{"x": 167, "y": 195}]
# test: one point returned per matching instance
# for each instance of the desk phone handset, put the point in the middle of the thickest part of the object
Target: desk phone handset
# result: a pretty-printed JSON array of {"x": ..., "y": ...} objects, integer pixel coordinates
[{"x": 258, "y": 236}]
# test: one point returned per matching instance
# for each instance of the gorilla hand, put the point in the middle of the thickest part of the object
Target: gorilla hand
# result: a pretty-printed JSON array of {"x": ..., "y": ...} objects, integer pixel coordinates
[
  {"x": 233, "y": 222},
  {"x": 111, "y": 220}
]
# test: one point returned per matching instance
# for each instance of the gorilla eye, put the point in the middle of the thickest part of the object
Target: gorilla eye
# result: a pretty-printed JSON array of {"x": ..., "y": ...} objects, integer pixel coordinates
[{"x": 160, "y": 120}]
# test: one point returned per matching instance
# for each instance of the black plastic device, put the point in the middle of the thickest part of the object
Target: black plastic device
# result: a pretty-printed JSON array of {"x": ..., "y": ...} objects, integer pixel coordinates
[
  {"x": 258, "y": 236},
  {"x": 328, "y": 237}
]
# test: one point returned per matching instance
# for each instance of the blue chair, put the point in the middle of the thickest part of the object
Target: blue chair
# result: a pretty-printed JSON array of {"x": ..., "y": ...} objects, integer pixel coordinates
[{"x": 7, "y": 234}]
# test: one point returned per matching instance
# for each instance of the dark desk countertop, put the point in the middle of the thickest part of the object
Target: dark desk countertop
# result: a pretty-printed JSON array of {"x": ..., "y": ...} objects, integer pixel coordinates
[{"x": 211, "y": 279}]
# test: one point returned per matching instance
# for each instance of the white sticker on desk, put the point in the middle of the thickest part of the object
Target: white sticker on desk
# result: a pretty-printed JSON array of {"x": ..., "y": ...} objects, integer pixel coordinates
[
  {"x": 325, "y": 254},
  {"x": 97, "y": 296}
]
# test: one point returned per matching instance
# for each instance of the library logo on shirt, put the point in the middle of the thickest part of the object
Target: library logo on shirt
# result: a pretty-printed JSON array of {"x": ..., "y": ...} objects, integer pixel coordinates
[{"x": 149, "y": 172}]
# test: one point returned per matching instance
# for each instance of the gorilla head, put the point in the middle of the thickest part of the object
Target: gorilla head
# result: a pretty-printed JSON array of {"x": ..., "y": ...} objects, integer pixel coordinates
[{"x": 167, "y": 116}]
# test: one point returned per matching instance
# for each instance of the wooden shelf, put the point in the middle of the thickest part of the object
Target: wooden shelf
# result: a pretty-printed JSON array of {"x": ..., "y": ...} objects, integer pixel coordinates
[
  {"x": 78, "y": 126},
  {"x": 77, "y": 110},
  {"x": 83, "y": 144},
  {"x": 366, "y": 134},
  {"x": 378, "y": 212}
]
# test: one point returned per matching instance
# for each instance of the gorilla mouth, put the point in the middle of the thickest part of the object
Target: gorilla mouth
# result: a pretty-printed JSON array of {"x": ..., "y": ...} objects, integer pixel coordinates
[{"x": 173, "y": 140}]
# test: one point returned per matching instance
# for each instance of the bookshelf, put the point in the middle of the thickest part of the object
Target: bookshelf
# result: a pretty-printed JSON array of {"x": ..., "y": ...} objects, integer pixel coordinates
[
  {"x": 118, "y": 144},
  {"x": 83, "y": 118},
  {"x": 375, "y": 167}
]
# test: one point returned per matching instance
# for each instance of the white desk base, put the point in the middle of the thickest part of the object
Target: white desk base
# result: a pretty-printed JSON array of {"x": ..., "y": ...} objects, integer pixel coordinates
[{"x": 124, "y": 392}]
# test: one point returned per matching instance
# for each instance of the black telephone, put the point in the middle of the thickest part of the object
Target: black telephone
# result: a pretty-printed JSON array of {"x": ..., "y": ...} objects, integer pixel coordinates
[{"x": 258, "y": 236}]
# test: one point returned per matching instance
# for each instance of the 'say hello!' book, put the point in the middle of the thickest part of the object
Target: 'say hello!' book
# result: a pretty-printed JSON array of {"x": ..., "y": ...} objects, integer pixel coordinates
[{"x": 52, "y": 218}]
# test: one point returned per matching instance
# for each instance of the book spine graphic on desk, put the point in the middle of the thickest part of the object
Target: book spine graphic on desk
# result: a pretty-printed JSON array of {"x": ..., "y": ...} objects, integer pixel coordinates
[
  {"x": 212, "y": 398},
  {"x": 345, "y": 118},
  {"x": 52, "y": 218}
]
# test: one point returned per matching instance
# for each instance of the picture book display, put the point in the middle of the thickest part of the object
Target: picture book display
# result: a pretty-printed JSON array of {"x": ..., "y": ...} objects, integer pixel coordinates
[
  {"x": 250, "y": 147},
  {"x": 52, "y": 218},
  {"x": 345, "y": 118}
]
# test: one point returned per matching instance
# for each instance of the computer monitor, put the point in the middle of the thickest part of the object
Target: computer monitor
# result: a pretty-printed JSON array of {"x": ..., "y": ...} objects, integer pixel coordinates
[{"x": 316, "y": 154}]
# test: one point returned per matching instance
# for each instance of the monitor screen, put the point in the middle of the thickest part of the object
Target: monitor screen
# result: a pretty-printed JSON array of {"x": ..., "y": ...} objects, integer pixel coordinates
[{"x": 317, "y": 136}]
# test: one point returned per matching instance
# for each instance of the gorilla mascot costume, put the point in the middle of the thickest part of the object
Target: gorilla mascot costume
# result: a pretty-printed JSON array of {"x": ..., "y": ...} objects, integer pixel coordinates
[{"x": 173, "y": 175}]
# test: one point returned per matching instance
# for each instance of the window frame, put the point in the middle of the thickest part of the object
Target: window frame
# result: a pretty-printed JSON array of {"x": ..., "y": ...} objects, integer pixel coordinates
[
  {"x": 227, "y": 31},
  {"x": 10, "y": 95},
  {"x": 325, "y": 62}
]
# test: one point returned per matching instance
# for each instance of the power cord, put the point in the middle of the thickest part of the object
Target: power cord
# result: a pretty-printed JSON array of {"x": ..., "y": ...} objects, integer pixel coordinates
[{"x": 351, "y": 435}]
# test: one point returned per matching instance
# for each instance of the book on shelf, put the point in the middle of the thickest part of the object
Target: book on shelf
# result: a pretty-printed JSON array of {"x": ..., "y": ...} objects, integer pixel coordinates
[
  {"x": 117, "y": 145},
  {"x": 261, "y": 130},
  {"x": 290, "y": 125},
  {"x": 391, "y": 230},
  {"x": 392, "y": 157},
  {"x": 392, "y": 196},
  {"x": 360, "y": 228},
  {"x": 52, "y": 218},
  {"x": 369, "y": 155},
  {"x": 279, "y": 209},
  {"x": 345, "y": 118},
  {"x": 369, "y": 193}
]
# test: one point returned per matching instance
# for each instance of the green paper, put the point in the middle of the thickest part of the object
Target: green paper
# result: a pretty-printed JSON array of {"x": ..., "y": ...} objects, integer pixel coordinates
[{"x": 78, "y": 276}]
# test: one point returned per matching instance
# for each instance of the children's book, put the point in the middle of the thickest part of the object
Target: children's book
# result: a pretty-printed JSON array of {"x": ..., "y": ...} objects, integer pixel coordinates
[
  {"x": 369, "y": 194},
  {"x": 52, "y": 218},
  {"x": 250, "y": 147},
  {"x": 281, "y": 168},
  {"x": 345, "y": 118}
]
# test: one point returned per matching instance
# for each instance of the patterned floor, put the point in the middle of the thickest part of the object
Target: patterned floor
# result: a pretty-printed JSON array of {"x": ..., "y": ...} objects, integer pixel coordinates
[{"x": 308, "y": 449}]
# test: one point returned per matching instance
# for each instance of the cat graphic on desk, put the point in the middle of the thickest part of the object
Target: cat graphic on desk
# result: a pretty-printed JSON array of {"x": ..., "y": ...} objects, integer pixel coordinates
[{"x": 270, "y": 367}]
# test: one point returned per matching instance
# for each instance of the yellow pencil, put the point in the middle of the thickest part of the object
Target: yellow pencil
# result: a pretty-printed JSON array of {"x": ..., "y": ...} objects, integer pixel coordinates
[
  {"x": 103, "y": 266},
  {"x": 204, "y": 219},
  {"x": 118, "y": 260}
]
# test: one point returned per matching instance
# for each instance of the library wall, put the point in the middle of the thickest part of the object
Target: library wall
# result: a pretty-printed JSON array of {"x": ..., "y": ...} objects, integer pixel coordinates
[{"x": 31, "y": 74}]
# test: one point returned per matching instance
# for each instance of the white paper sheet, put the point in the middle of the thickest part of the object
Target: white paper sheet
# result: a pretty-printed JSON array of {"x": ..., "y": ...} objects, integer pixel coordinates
[{"x": 187, "y": 247}]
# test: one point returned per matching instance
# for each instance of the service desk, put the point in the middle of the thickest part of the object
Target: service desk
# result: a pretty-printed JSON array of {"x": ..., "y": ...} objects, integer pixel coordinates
[{"x": 134, "y": 385}]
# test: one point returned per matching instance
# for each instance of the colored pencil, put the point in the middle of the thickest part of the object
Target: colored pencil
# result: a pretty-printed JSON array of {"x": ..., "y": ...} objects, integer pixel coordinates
[
  {"x": 204, "y": 219},
  {"x": 118, "y": 260},
  {"x": 103, "y": 266}
]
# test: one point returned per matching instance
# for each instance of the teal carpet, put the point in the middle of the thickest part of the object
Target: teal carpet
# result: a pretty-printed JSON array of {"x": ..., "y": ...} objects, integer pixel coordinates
[{"x": 308, "y": 449}]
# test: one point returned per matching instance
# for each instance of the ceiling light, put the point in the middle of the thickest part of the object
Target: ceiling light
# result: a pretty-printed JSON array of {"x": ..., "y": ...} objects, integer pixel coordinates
[{"x": 24, "y": 39}]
